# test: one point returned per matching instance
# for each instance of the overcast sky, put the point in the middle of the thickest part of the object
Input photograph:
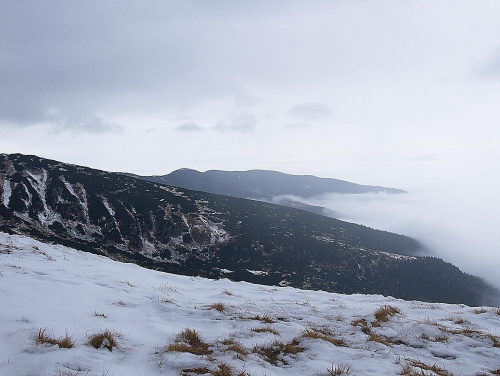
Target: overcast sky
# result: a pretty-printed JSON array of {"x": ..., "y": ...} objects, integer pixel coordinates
[{"x": 394, "y": 93}]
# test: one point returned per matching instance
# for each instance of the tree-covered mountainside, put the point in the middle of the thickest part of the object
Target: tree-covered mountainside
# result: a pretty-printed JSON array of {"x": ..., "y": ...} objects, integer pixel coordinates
[{"x": 204, "y": 234}]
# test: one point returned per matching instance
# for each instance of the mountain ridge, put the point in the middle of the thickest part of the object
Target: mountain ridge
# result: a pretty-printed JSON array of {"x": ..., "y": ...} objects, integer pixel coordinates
[
  {"x": 196, "y": 233},
  {"x": 259, "y": 183}
]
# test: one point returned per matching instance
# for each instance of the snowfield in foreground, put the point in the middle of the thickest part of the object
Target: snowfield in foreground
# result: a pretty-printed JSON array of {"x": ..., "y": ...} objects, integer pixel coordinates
[{"x": 58, "y": 303}]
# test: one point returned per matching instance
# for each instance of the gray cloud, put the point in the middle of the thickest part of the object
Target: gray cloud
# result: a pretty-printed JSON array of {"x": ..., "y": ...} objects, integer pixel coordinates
[
  {"x": 311, "y": 111},
  {"x": 189, "y": 127},
  {"x": 241, "y": 123},
  {"x": 89, "y": 124}
]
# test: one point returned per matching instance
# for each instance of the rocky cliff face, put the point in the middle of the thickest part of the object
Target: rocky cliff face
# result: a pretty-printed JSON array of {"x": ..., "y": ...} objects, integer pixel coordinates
[
  {"x": 79, "y": 204},
  {"x": 196, "y": 233}
]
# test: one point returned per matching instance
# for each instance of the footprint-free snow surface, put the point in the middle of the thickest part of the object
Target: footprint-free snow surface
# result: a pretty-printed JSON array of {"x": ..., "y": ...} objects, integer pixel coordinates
[{"x": 163, "y": 324}]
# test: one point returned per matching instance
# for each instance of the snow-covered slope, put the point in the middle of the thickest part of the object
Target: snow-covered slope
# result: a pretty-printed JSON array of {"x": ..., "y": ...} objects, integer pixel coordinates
[{"x": 51, "y": 292}]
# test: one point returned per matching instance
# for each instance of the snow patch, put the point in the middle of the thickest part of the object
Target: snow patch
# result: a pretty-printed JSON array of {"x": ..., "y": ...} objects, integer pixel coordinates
[
  {"x": 6, "y": 193},
  {"x": 257, "y": 272},
  {"x": 108, "y": 206}
]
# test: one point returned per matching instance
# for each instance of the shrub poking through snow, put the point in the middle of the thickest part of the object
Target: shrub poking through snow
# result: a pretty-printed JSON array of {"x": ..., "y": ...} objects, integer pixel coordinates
[
  {"x": 101, "y": 340},
  {"x": 189, "y": 341},
  {"x": 65, "y": 342}
]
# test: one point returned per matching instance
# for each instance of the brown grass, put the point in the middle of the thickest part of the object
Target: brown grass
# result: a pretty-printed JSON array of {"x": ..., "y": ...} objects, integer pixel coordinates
[
  {"x": 471, "y": 333},
  {"x": 435, "y": 339},
  {"x": 189, "y": 341},
  {"x": 104, "y": 339},
  {"x": 383, "y": 313},
  {"x": 324, "y": 335},
  {"x": 222, "y": 370},
  {"x": 264, "y": 318},
  {"x": 338, "y": 370},
  {"x": 266, "y": 329},
  {"x": 165, "y": 300},
  {"x": 197, "y": 371},
  {"x": 478, "y": 311},
  {"x": 411, "y": 364},
  {"x": 237, "y": 347},
  {"x": 496, "y": 340},
  {"x": 460, "y": 321},
  {"x": 65, "y": 342},
  {"x": 380, "y": 339},
  {"x": 219, "y": 307},
  {"x": 272, "y": 353},
  {"x": 363, "y": 324}
]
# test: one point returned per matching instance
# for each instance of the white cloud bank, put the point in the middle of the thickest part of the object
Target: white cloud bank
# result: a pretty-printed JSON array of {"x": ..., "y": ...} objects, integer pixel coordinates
[{"x": 459, "y": 227}]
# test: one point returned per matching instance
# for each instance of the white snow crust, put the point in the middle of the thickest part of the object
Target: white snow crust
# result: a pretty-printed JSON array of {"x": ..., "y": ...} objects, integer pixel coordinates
[
  {"x": 6, "y": 193},
  {"x": 64, "y": 291}
]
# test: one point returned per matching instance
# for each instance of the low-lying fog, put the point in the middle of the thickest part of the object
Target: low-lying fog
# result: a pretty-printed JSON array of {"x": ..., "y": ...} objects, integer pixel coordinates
[{"x": 455, "y": 226}]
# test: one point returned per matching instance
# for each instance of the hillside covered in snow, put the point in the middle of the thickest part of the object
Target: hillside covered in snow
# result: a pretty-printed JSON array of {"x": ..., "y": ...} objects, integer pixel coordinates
[{"x": 67, "y": 312}]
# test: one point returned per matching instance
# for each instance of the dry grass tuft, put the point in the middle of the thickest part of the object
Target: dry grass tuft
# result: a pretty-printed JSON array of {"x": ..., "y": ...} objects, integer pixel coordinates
[
  {"x": 65, "y": 342},
  {"x": 411, "y": 365},
  {"x": 380, "y": 339},
  {"x": 196, "y": 371},
  {"x": 189, "y": 341},
  {"x": 237, "y": 347},
  {"x": 264, "y": 318},
  {"x": 227, "y": 292},
  {"x": 100, "y": 314},
  {"x": 274, "y": 352},
  {"x": 383, "y": 313},
  {"x": 338, "y": 370},
  {"x": 478, "y": 311},
  {"x": 165, "y": 300},
  {"x": 363, "y": 324},
  {"x": 435, "y": 339},
  {"x": 496, "y": 340},
  {"x": 266, "y": 329},
  {"x": 460, "y": 321},
  {"x": 101, "y": 340},
  {"x": 219, "y": 307},
  {"x": 222, "y": 370},
  {"x": 324, "y": 335}
]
